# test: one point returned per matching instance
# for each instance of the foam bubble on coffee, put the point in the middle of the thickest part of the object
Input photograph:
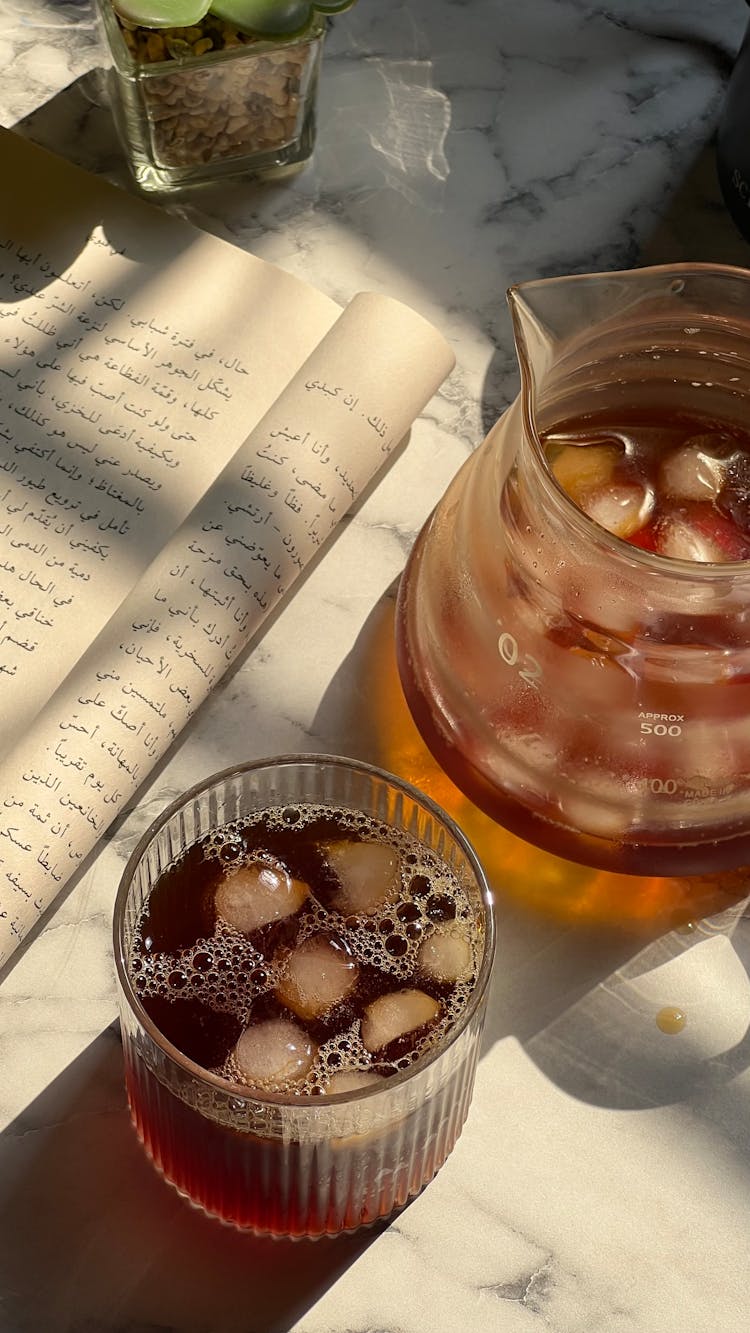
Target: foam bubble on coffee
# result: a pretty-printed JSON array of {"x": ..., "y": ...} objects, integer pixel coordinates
[{"x": 421, "y": 933}]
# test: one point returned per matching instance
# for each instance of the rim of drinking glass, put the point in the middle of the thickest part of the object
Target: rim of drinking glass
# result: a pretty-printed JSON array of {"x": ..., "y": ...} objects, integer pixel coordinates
[{"x": 282, "y": 1100}]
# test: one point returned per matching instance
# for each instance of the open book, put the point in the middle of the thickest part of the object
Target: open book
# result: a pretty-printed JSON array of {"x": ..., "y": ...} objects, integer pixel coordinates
[{"x": 181, "y": 427}]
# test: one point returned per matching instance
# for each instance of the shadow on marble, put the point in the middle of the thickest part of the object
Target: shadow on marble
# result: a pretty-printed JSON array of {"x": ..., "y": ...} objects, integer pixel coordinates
[
  {"x": 608, "y": 1049},
  {"x": 76, "y": 123},
  {"x": 695, "y": 225},
  {"x": 91, "y": 1239}
]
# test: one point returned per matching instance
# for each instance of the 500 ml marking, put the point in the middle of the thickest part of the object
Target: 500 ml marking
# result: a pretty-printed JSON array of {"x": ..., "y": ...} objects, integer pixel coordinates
[
  {"x": 661, "y": 724},
  {"x": 527, "y": 666}
]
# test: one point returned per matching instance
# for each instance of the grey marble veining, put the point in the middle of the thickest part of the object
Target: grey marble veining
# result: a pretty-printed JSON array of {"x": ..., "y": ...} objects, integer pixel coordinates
[{"x": 602, "y": 1182}]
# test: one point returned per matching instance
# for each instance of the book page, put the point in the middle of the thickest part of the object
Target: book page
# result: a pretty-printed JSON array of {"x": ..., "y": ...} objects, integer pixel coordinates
[
  {"x": 136, "y": 353},
  {"x": 207, "y": 593}
]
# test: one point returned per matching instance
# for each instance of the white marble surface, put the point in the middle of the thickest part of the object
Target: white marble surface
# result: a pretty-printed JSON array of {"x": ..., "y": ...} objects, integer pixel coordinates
[{"x": 602, "y": 1184}]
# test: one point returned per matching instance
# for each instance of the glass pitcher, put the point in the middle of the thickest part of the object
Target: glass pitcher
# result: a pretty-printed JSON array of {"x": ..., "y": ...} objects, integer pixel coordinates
[{"x": 586, "y": 680}]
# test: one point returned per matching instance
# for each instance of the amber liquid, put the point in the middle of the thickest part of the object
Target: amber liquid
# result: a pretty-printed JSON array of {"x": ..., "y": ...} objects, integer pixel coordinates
[
  {"x": 271, "y": 1188},
  {"x": 615, "y": 785},
  {"x": 717, "y": 505},
  {"x": 519, "y": 871},
  {"x": 714, "y": 853}
]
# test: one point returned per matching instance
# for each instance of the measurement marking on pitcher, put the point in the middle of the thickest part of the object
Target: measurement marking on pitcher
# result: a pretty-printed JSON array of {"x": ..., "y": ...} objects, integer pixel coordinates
[
  {"x": 528, "y": 668},
  {"x": 696, "y": 788},
  {"x": 662, "y": 786},
  {"x": 661, "y": 724}
]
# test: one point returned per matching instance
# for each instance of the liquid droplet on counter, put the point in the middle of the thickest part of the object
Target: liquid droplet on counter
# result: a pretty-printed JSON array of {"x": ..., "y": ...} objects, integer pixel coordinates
[
  {"x": 670, "y": 1020},
  {"x": 687, "y": 928}
]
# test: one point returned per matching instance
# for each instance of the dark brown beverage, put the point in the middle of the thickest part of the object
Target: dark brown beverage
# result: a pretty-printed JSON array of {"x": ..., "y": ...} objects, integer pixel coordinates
[
  {"x": 204, "y": 979},
  {"x": 301, "y": 955}
]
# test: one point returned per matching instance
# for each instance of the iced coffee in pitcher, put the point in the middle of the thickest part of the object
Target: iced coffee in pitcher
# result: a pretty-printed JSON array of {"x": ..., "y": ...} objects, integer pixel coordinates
[{"x": 573, "y": 626}]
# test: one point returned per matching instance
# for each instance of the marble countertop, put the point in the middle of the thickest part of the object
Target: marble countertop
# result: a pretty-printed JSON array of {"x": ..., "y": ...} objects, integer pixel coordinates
[{"x": 602, "y": 1183}]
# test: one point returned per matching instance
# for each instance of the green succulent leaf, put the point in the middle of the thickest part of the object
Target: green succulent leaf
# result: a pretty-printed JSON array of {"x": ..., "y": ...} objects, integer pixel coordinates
[
  {"x": 162, "y": 13},
  {"x": 267, "y": 18}
]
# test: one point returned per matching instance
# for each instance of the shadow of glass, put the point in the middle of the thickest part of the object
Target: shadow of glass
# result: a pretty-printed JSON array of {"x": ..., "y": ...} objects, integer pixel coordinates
[
  {"x": 672, "y": 1026},
  {"x": 656, "y": 199},
  {"x": 695, "y": 225},
  {"x": 92, "y": 1239},
  {"x": 76, "y": 123}
]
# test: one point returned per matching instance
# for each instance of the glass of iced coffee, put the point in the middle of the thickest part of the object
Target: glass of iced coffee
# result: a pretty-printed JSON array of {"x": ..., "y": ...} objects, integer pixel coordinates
[{"x": 303, "y": 949}]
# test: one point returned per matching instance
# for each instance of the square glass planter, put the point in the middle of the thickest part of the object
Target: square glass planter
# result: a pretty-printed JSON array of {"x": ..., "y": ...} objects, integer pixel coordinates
[{"x": 187, "y": 118}]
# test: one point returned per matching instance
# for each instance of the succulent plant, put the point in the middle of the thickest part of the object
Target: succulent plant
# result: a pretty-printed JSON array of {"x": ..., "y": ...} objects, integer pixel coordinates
[{"x": 266, "y": 18}]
